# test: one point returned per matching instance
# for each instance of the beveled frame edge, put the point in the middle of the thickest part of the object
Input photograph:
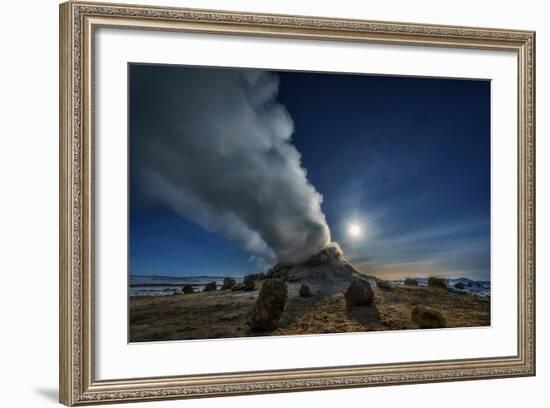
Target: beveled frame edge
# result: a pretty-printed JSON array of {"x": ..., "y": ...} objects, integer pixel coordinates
[{"x": 78, "y": 21}]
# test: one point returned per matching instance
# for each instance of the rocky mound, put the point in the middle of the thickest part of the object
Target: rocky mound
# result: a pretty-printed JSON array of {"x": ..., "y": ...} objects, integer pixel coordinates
[
  {"x": 428, "y": 318},
  {"x": 325, "y": 273},
  {"x": 437, "y": 283}
]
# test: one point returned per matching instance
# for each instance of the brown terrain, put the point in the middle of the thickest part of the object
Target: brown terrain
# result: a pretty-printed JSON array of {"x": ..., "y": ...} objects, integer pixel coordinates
[{"x": 323, "y": 309}]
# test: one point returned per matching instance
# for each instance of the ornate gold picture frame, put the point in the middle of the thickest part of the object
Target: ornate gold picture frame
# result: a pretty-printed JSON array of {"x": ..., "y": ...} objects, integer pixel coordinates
[{"x": 78, "y": 24}]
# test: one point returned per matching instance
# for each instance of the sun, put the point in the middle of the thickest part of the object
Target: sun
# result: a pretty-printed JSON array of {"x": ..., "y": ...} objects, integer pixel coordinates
[{"x": 354, "y": 230}]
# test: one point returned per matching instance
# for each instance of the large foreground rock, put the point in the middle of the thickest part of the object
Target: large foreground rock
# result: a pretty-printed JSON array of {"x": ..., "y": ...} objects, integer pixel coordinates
[
  {"x": 437, "y": 283},
  {"x": 270, "y": 305},
  {"x": 428, "y": 318},
  {"x": 187, "y": 289},
  {"x": 305, "y": 291},
  {"x": 210, "y": 286},
  {"x": 358, "y": 293},
  {"x": 228, "y": 283}
]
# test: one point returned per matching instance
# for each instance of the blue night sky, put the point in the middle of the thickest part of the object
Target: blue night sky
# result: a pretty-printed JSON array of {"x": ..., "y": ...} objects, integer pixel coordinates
[{"x": 407, "y": 159}]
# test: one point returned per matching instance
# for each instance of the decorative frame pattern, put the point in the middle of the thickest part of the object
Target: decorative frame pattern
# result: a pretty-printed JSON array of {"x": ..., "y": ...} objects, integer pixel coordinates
[{"x": 78, "y": 20}]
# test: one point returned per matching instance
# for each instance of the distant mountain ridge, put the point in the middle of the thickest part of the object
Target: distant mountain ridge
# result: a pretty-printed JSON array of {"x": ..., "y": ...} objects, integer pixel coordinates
[
  {"x": 156, "y": 285},
  {"x": 477, "y": 287},
  {"x": 178, "y": 277}
]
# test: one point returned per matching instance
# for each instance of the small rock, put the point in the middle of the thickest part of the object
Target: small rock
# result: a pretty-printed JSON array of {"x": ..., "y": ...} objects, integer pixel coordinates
[
  {"x": 270, "y": 305},
  {"x": 237, "y": 286},
  {"x": 229, "y": 316},
  {"x": 249, "y": 283},
  {"x": 187, "y": 289},
  {"x": 358, "y": 293},
  {"x": 210, "y": 286},
  {"x": 437, "y": 283},
  {"x": 460, "y": 286},
  {"x": 428, "y": 318},
  {"x": 305, "y": 291},
  {"x": 385, "y": 285},
  {"x": 228, "y": 283},
  {"x": 411, "y": 282}
]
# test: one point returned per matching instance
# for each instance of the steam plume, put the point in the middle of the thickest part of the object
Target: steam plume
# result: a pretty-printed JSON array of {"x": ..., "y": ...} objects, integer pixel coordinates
[{"x": 217, "y": 150}]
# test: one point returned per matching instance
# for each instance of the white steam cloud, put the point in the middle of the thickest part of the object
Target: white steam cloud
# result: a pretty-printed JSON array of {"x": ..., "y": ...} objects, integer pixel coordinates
[{"x": 216, "y": 148}]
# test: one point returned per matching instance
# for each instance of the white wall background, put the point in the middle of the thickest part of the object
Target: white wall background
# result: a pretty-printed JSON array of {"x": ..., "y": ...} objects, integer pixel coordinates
[{"x": 28, "y": 203}]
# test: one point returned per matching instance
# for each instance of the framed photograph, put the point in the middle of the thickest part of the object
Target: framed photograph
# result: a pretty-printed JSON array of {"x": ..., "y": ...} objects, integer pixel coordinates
[{"x": 256, "y": 203}]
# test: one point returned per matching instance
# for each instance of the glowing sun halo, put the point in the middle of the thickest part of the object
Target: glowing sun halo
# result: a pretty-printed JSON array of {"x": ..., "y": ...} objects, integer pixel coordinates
[{"x": 354, "y": 230}]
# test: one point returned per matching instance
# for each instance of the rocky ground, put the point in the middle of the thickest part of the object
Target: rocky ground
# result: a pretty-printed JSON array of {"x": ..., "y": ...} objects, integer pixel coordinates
[{"x": 226, "y": 313}]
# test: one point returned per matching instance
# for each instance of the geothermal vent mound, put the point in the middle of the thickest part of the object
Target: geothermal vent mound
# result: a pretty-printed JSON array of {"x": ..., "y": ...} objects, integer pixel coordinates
[{"x": 326, "y": 272}]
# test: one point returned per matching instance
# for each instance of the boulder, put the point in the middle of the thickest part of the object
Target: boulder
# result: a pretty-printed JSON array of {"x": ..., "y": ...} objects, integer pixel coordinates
[
  {"x": 358, "y": 293},
  {"x": 249, "y": 283},
  {"x": 460, "y": 285},
  {"x": 237, "y": 286},
  {"x": 411, "y": 282},
  {"x": 270, "y": 305},
  {"x": 305, "y": 291},
  {"x": 210, "y": 286},
  {"x": 187, "y": 289},
  {"x": 228, "y": 283},
  {"x": 428, "y": 318},
  {"x": 384, "y": 285},
  {"x": 437, "y": 283}
]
